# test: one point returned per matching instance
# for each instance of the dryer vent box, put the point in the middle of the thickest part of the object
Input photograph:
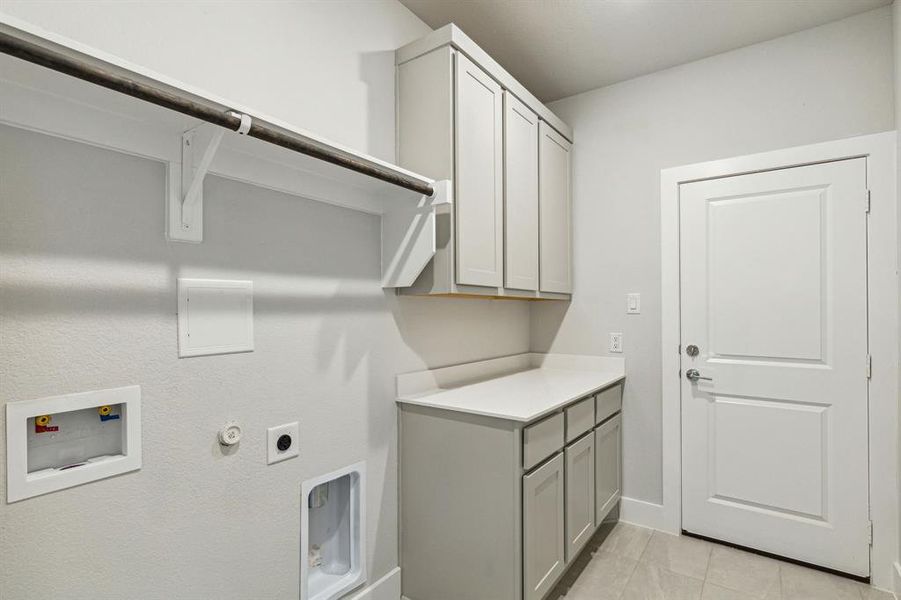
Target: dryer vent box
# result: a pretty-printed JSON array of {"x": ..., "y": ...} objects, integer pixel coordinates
[
  {"x": 63, "y": 441},
  {"x": 333, "y": 534}
]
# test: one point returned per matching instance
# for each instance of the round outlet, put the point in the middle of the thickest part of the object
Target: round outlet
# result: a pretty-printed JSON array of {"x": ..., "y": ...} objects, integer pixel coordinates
[{"x": 230, "y": 434}]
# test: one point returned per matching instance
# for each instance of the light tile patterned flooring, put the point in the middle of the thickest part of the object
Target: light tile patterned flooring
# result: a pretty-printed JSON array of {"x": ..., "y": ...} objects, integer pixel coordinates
[{"x": 625, "y": 562}]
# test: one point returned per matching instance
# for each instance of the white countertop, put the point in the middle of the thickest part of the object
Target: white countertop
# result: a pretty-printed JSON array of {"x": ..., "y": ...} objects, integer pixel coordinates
[{"x": 525, "y": 395}]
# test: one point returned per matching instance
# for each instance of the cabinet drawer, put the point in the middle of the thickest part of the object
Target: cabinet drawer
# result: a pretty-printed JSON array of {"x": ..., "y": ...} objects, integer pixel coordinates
[
  {"x": 541, "y": 440},
  {"x": 579, "y": 418},
  {"x": 609, "y": 402}
]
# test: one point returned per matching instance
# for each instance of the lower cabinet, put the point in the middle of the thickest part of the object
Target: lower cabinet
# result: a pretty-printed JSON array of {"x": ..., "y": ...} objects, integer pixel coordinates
[
  {"x": 608, "y": 465},
  {"x": 579, "y": 494},
  {"x": 543, "y": 527},
  {"x": 493, "y": 509}
]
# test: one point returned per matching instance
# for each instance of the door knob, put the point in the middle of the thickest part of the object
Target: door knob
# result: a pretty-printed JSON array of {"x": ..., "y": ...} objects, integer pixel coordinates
[{"x": 694, "y": 375}]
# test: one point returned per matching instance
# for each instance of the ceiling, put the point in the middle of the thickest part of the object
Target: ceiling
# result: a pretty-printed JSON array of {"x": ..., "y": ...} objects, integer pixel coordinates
[{"x": 557, "y": 48}]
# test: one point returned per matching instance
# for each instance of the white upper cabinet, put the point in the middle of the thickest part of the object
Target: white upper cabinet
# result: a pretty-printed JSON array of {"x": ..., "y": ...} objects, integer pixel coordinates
[
  {"x": 555, "y": 202},
  {"x": 461, "y": 116},
  {"x": 479, "y": 176},
  {"x": 520, "y": 195}
]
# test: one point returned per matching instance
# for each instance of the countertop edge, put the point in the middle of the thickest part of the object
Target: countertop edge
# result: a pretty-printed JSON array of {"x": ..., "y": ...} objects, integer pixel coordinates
[{"x": 423, "y": 400}]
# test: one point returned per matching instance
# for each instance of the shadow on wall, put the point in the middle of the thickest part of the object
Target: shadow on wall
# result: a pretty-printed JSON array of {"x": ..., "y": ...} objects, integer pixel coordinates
[
  {"x": 85, "y": 240},
  {"x": 377, "y": 72},
  {"x": 88, "y": 301},
  {"x": 546, "y": 320}
]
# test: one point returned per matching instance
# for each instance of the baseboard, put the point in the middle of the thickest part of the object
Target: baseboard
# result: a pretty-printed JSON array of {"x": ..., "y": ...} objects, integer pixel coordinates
[
  {"x": 386, "y": 588},
  {"x": 643, "y": 514}
]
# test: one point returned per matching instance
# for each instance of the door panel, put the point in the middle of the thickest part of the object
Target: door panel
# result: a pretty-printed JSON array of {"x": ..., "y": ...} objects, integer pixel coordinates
[
  {"x": 543, "y": 527},
  {"x": 579, "y": 494},
  {"x": 478, "y": 191},
  {"x": 520, "y": 195},
  {"x": 774, "y": 447},
  {"x": 555, "y": 211},
  {"x": 751, "y": 316},
  {"x": 785, "y": 440},
  {"x": 608, "y": 466}
]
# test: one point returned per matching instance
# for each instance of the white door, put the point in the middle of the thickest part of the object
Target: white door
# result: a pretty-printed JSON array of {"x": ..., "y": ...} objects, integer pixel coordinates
[
  {"x": 542, "y": 519},
  {"x": 478, "y": 184},
  {"x": 520, "y": 195},
  {"x": 555, "y": 210},
  {"x": 774, "y": 297}
]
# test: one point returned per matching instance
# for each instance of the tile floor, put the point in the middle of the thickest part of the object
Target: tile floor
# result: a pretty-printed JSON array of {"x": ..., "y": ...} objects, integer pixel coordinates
[{"x": 626, "y": 562}]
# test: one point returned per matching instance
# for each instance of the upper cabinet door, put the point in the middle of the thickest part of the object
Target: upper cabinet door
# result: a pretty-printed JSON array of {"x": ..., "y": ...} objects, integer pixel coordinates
[
  {"x": 478, "y": 184},
  {"x": 555, "y": 210},
  {"x": 520, "y": 195}
]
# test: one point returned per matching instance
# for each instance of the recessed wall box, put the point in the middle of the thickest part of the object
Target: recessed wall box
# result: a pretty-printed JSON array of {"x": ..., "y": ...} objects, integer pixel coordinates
[
  {"x": 63, "y": 441},
  {"x": 215, "y": 316},
  {"x": 333, "y": 533}
]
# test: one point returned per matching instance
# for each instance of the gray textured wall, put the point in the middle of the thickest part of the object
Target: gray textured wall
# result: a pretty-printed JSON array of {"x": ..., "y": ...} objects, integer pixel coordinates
[
  {"x": 87, "y": 301},
  {"x": 826, "y": 83}
]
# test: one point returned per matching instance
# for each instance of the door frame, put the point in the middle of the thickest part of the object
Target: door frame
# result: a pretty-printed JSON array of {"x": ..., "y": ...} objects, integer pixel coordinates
[{"x": 883, "y": 262}]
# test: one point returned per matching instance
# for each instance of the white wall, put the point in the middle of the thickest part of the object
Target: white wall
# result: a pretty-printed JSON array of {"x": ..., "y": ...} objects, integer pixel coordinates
[
  {"x": 826, "y": 83},
  {"x": 87, "y": 301}
]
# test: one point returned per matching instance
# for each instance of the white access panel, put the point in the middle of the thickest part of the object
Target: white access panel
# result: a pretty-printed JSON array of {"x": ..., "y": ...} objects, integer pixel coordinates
[
  {"x": 71, "y": 450},
  {"x": 215, "y": 316}
]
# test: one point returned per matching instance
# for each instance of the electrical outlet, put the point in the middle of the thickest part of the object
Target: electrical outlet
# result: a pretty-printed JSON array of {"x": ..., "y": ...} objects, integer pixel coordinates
[
  {"x": 283, "y": 443},
  {"x": 616, "y": 342}
]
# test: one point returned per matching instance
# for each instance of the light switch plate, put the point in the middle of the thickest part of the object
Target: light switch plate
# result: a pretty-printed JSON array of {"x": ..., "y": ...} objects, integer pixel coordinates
[
  {"x": 633, "y": 304},
  {"x": 273, "y": 453},
  {"x": 616, "y": 342},
  {"x": 215, "y": 316}
]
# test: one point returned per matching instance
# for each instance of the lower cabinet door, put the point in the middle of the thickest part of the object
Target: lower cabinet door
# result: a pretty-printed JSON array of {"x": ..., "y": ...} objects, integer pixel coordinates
[
  {"x": 608, "y": 465},
  {"x": 543, "y": 554},
  {"x": 579, "y": 494}
]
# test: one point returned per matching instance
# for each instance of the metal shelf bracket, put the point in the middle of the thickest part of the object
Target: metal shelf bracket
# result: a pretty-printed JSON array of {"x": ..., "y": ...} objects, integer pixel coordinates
[{"x": 185, "y": 218}]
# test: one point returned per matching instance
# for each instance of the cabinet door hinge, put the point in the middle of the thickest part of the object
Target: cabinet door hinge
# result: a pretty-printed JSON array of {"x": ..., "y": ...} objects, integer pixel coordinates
[
  {"x": 869, "y": 366},
  {"x": 870, "y": 532},
  {"x": 866, "y": 201}
]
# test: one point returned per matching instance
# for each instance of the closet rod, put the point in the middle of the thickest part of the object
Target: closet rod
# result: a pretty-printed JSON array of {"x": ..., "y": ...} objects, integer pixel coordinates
[{"x": 58, "y": 61}]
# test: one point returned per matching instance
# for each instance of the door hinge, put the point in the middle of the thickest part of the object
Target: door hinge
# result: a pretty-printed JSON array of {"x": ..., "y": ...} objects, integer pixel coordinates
[
  {"x": 870, "y": 532},
  {"x": 869, "y": 366},
  {"x": 866, "y": 201}
]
